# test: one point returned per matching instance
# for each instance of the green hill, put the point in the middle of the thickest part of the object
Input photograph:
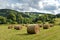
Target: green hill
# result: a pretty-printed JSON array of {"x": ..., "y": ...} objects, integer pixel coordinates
[{"x": 12, "y": 17}]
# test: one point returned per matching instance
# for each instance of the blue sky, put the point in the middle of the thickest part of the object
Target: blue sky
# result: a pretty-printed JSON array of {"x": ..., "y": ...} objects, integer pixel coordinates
[{"x": 44, "y": 6}]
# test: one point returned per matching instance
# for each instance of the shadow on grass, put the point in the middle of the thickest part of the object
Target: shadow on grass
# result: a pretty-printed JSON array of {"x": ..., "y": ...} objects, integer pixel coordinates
[{"x": 25, "y": 34}]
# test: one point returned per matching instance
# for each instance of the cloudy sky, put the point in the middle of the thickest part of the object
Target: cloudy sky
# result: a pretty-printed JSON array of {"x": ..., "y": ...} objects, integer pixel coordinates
[{"x": 44, "y": 6}]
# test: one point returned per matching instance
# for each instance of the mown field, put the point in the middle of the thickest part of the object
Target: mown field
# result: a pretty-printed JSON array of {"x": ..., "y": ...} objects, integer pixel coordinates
[{"x": 52, "y": 33}]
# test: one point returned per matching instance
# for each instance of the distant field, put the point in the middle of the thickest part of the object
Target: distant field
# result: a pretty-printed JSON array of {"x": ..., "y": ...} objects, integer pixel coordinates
[
  {"x": 45, "y": 34},
  {"x": 57, "y": 21}
]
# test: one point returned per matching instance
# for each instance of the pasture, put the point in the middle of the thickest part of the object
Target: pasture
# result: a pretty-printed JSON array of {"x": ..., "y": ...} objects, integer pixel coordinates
[{"x": 53, "y": 33}]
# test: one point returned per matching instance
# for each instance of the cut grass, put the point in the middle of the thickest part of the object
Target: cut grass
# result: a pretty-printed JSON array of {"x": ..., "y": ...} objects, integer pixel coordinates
[{"x": 45, "y": 34}]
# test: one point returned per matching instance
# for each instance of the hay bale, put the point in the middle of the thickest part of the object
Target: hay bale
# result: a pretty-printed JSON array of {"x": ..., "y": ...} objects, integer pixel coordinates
[
  {"x": 51, "y": 25},
  {"x": 46, "y": 26},
  {"x": 10, "y": 26},
  {"x": 33, "y": 29},
  {"x": 18, "y": 27},
  {"x": 26, "y": 25},
  {"x": 40, "y": 25},
  {"x": 23, "y": 24}
]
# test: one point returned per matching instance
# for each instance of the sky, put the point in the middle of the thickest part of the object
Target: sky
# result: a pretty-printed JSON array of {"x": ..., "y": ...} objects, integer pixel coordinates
[{"x": 43, "y": 6}]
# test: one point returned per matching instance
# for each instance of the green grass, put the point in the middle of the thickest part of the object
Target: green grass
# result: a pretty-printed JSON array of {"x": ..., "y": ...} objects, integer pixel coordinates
[
  {"x": 45, "y": 34},
  {"x": 57, "y": 21}
]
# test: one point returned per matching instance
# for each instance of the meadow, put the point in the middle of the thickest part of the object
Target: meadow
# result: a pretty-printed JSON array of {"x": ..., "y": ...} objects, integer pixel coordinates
[{"x": 52, "y": 33}]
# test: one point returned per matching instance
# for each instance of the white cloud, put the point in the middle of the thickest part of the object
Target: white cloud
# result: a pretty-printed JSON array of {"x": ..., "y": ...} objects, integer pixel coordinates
[
  {"x": 40, "y": 5},
  {"x": 50, "y": 5},
  {"x": 47, "y": 6},
  {"x": 33, "y": 9},
  {"x": 57, "y": 11},
  {"x": 12, "y": 5}
]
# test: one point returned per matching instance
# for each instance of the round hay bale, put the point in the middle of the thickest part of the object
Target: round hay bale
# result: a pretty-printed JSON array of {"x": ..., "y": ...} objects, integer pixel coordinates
[
  {"x": 23, "y": 24},
  {"x": 46, "y": 26},
  {"x": 51, "y": 25},
  {"x": 33, "y": 29},
  {"x": 26, "y": 25},
  {"x": 18, "y": 27},
  {"x": 40, "y": 25},
  {"x": 10, "y": 27}
]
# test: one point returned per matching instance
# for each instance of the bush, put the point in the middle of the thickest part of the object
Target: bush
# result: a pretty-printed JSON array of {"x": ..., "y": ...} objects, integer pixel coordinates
[
  {"x": 51, "y": 21},
  {"x": 2, "y": 20}
]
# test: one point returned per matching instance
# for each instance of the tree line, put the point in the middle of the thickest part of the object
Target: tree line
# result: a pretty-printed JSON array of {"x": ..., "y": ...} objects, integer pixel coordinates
[{"x": 14, "y": 17}]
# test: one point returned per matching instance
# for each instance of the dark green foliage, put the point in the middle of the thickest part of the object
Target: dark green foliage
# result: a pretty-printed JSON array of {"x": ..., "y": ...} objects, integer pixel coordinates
[
  {"x": 58, "y": 15},
  {"x": 52, "y": 21},
  {"x": 2, "y": 20},
  {"x": 13, "y": 17}
]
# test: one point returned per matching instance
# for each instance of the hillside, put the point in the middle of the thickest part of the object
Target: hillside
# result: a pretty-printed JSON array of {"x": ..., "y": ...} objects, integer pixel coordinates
[
  {"x": 11, "y": 16},
  {"x": 58, "y": 15}
]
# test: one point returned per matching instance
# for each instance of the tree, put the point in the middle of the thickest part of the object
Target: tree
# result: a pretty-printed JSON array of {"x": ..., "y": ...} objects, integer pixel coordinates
[
  {"x": 2, "y": 20},
  {"x": 19, "y": 19},
  {"x": 52, "y": 18},
  {"x": 12, "y": 16}
]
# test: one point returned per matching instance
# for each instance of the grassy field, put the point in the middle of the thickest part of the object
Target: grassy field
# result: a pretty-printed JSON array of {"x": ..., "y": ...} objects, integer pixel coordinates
[{"x": 45, "y": 34}]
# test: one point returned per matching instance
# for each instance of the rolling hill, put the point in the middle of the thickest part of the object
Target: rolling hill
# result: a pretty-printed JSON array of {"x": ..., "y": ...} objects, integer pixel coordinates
[{"x": 13, "y": 16}]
